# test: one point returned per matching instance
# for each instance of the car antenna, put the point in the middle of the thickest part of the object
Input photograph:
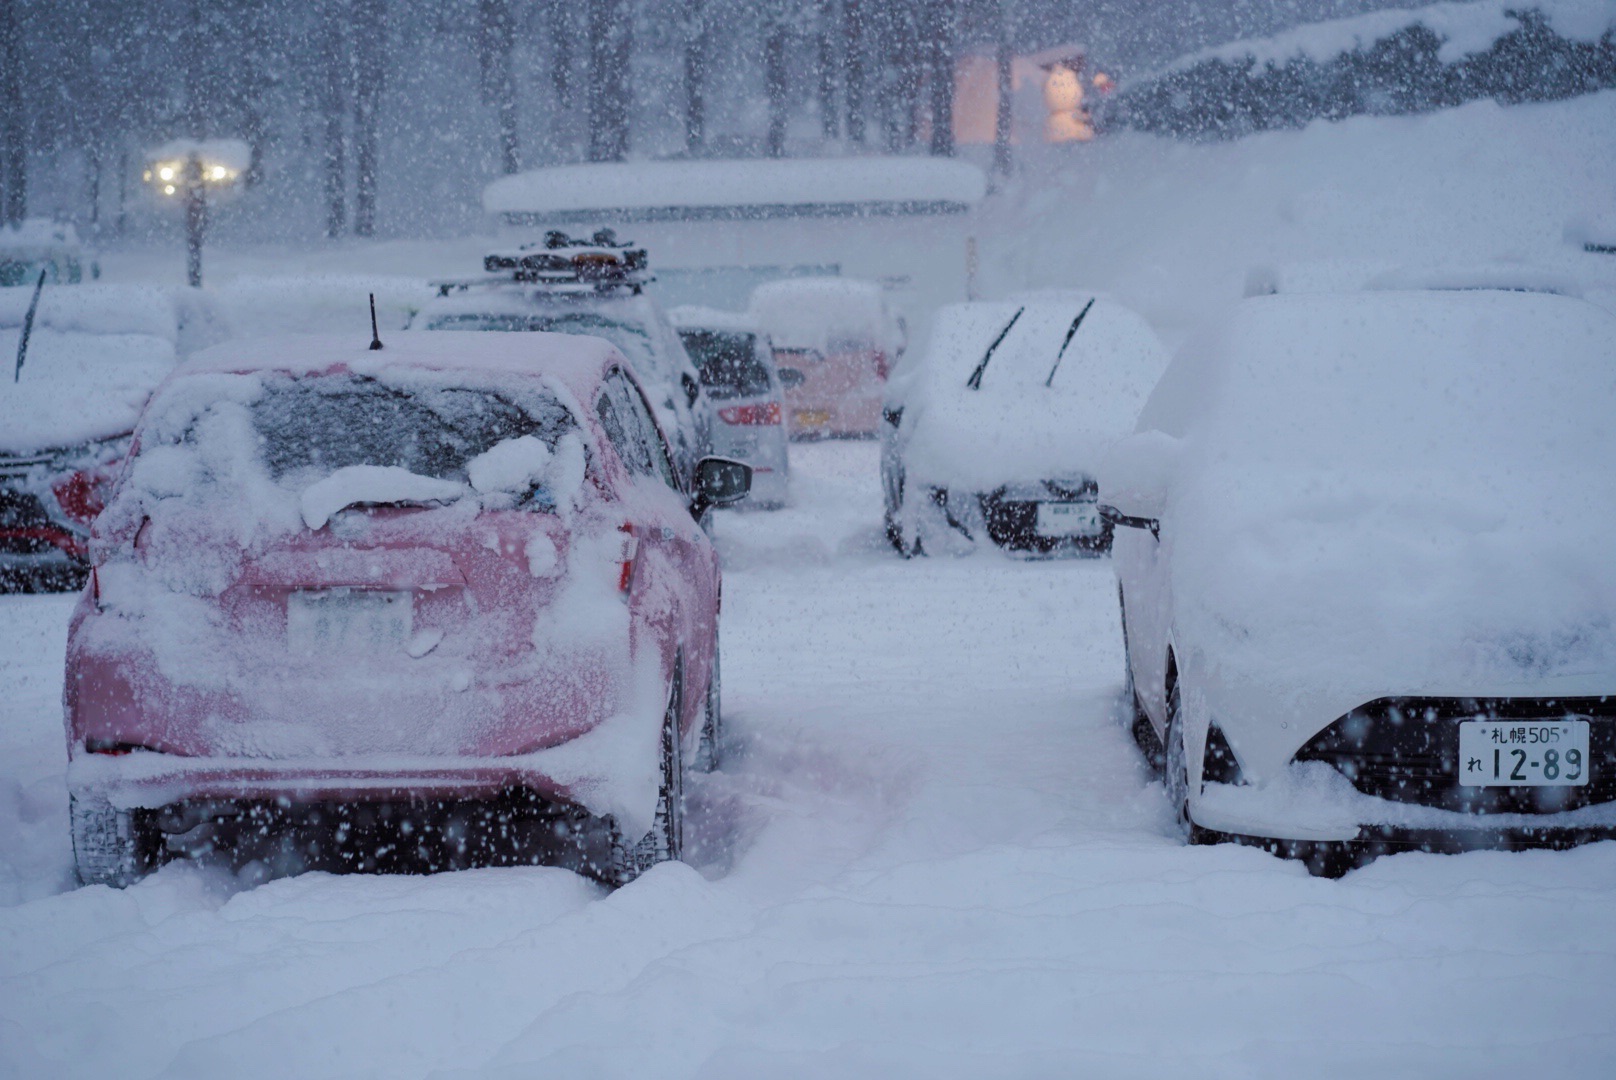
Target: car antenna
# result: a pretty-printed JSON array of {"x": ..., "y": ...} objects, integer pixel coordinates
[
  {"x": 375, "y": 337},
  {"x": 27, "y": 328}
]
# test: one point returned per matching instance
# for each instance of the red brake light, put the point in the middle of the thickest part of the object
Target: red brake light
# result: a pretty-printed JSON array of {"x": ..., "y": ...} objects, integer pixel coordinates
[
  {"x": 81, "y": 496},
  {"x": 751, "y": 414},
  {"x": 883, "y": 366},
  {"x": 631, "y": 548}
]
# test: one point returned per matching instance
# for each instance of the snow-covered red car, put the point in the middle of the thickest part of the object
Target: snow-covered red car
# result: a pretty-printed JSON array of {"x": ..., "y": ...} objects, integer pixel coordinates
[
  {"x": 435, "y": 605},
  {"x": 1368, "y": 592}
]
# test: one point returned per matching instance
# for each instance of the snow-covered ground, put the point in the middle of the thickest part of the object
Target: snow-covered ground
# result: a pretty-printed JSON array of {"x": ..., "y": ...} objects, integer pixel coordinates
[{"x": 934, "y": 852}]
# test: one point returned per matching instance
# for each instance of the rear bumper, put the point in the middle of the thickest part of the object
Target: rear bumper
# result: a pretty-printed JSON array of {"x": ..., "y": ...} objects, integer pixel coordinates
[
  {"x": 149, "y": 780},
  {"x": 1332, "y": 858}
]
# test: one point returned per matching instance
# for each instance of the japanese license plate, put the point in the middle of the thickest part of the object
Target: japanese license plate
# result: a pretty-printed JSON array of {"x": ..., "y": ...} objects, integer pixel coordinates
[
  {"x": 811, "y": 417},
  {"x": 329, "y": 621},
  {"x": 1523, "y": 753},
  {"x": 1067, "y": 519}
]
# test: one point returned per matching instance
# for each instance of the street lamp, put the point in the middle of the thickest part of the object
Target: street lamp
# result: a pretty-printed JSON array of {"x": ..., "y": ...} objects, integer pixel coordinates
[{"x": 188, "y": 170}]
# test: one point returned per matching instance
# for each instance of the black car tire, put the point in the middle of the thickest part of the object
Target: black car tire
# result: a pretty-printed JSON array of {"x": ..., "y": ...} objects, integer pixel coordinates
[
  {"x": 665, "y": 840},
  {"x": 710, "y": 750},
  {"x": 1176, "y": 770},
  {"x": 107, "y": 847}
]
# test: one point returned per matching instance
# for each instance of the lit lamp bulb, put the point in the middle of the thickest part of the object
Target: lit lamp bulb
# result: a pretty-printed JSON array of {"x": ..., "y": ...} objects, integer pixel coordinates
[
  {"x": 220, "y": 172},
  {"x": 166, "y": 172},
  {"x": 1063, "y": 97}
]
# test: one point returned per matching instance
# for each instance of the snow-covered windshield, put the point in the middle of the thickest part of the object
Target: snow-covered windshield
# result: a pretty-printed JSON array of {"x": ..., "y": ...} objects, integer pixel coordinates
[
  {"x": 728, "y": 362},
  {"x": 312, "y": 427}
]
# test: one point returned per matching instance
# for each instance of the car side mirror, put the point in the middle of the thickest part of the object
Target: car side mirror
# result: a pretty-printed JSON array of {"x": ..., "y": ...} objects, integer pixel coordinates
[
  {"x": 791, "y": 378},
  {"x": 1135, "y": 477},
  {"x": 692, "y": 387},
  {"x": 718, "y": 482}
]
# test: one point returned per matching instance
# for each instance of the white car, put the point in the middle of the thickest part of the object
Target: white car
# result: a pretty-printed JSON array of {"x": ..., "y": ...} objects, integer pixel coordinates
[
  {"x": 736, "y": 363},
  {"x": 995, "y": 435},
  {"x": 1367, "y": 583}
]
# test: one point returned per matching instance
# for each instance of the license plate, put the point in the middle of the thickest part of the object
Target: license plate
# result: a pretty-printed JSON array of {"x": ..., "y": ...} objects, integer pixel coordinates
[
  {"x": 811, "y": 417},
  {"x": 331, "y": 621},
  {"x": 1523, "y": 753},
  {"x": 1067, "y": 519}
]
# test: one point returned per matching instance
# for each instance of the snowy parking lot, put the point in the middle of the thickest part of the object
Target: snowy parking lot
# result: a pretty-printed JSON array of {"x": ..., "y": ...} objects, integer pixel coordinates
[{"x": 934, "y": 851}]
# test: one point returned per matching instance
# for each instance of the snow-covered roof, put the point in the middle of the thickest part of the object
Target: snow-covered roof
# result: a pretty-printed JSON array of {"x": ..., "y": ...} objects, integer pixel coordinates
[
  {"x": 1466, "y": 26},
  {"x": 807, "y": 312},
  {"x": 76, "y": 388},
  {"x": 96, "y": 353},
  {"x": 658, "y": 190},
  {"x": 574, "y": 359},
  {"x": 696, "y": 317}
]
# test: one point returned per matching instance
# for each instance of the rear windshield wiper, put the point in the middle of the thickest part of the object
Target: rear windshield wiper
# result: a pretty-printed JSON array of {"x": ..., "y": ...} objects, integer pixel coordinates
[
  {"x": 1070, "y": 333},
  {"x": 975, "y": 381}
]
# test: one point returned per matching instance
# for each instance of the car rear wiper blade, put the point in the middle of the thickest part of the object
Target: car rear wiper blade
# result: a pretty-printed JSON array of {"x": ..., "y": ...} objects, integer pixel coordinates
[
  {"x": 975, "y": 381},
  {"x": 1070, "y": 333}
]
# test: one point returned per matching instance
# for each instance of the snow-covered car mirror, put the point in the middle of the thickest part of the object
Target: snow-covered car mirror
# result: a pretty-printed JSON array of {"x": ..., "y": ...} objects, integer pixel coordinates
[
  {"x": 1135, "y": 475},
  {"x": 719, "y": 482}
]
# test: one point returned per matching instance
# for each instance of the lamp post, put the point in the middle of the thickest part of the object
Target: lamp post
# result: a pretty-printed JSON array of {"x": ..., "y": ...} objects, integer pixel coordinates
[{"x": 187, "y": 170}]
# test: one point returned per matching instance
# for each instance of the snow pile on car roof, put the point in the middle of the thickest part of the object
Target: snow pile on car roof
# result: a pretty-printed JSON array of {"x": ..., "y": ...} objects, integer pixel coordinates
[
  {"x": 1413, "y": 485},
  {"x": 822, "y": 313},
  {"x": 696, "y": 317}
]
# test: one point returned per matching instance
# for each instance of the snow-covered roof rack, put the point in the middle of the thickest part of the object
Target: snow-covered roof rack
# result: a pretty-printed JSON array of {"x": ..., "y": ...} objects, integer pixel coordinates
[
  {"x": 563, "y": 264},
  {"x": 685, "y": 190}
]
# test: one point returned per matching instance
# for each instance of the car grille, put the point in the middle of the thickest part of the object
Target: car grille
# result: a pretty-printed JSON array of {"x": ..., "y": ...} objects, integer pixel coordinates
[
  {"x": 1011, "y": 515},
  {"x": 1407, "y": 750}
]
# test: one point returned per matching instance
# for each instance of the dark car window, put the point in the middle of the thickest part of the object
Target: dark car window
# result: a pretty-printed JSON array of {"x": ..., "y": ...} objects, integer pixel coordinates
[
  {"x": 324, "y": 424},
  {"x": 728, "y": 362},
  {"x": 641, "y": 444}
]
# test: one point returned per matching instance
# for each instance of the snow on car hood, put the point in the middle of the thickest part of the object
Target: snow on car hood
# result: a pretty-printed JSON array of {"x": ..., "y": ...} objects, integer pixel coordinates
[
  {"x": 76, "y": 387},
  {"x": 1056, "y": 382},
  {"x": 1402, "y": 494}
]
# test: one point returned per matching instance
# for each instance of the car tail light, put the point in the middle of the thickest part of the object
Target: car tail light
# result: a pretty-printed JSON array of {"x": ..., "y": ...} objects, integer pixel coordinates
[
  {"x": 81, "y": 496},
  {"x": 882, "y": 366},
  {"x": 751, "y": 414},
  {"x": 630, "y": 549}
]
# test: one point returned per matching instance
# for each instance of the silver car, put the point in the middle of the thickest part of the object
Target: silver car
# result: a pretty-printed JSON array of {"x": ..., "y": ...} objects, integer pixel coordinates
[{"x": 738, "y": 373}]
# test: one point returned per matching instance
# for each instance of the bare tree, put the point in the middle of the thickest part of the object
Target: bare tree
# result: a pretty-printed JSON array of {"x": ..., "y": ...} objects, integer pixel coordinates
[
  {"x": 333, "y": 94},
  {"x": 853, "y": 67},
  {"x": 370, "y": 67},
  {"x": 496, "y": 41},
  {"x": 775, "y": 83},
  {"x": 829, "y": 118},
  {"x": 611, "y": 36},
  {"x": 13, "y": 121},
  {"x": 939, "y": 37},
  {"x": 695, "y": 37}
]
